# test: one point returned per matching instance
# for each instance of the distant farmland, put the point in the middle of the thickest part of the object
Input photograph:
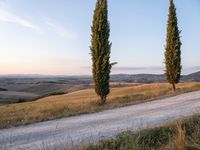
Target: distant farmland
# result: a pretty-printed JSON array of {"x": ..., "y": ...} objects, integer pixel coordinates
[{"x": 17, "y": 89}]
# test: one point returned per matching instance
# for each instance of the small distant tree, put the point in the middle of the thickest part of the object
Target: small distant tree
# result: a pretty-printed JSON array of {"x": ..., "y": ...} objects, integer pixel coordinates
[
  {"x": 100, "y": 50},
  {"x": 173, "y": 49}
]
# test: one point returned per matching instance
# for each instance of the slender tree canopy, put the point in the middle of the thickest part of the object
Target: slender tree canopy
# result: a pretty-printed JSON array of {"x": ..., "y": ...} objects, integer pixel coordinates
[
  {"x": 173, "y": 48},
  {"x": 100, "y": 50}
]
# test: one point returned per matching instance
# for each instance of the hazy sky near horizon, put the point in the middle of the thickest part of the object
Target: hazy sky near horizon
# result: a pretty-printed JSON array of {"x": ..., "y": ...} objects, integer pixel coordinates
[{"x": 53, "y": 37}]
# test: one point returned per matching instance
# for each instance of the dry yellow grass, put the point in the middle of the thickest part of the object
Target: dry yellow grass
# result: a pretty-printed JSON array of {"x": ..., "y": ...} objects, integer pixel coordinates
[{"x": 84, "y": 101}]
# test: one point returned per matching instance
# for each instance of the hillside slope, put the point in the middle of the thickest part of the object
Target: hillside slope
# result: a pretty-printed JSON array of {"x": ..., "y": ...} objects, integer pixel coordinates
[
  {"x": 85, "y": 101},
  {"x": 103, "y": 124},
  {"x": 32, "y": 87}
]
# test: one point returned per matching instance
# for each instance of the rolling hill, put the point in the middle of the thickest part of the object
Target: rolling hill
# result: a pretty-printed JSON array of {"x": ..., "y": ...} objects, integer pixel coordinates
[{"x": 21, "y": 88}]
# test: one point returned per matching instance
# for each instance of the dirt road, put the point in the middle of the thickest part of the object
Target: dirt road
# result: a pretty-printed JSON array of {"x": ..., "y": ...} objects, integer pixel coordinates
[{"x": 91, "y": 127}]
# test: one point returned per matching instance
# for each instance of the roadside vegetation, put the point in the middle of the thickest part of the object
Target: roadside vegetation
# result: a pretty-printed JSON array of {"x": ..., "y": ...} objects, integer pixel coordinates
[
  {"x": 85, "y": 101},
  {"x": 181, "y": 135}
]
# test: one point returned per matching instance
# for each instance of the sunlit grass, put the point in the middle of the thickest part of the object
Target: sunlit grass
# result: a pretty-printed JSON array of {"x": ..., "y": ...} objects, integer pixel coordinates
[{"x": 85, "y": 101}]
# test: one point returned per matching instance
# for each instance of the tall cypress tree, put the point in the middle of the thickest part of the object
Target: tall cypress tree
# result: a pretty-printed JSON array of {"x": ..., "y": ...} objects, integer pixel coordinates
[
  {"x": 173, "y": 49},
  {"x": 100, "y": 50}
]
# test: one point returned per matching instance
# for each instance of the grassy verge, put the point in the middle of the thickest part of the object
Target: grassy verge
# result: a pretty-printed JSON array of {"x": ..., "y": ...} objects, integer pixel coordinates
[
  {"x": 84, "y": 101},
  {"x": 182, "y": 135}
]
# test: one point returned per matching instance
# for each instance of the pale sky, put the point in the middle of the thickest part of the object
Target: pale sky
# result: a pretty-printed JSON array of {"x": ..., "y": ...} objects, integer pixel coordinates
[{"x": 53, "y": 36}]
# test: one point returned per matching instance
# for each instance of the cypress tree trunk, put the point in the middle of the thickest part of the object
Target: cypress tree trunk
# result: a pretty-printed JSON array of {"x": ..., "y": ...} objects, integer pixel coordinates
[
  {"x": 100, "y": 50},
  {"x": 173, "y": 87},
  {"x": 173, "y": 49}
]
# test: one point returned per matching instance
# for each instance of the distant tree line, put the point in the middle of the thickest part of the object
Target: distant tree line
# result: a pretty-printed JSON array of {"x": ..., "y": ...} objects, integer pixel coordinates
[{"x": 101, "y": 50}]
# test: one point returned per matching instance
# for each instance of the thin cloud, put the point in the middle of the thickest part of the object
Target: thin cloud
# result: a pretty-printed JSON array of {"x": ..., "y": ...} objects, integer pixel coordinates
[
  {"x": 147, "y": 70},
  {"x": 61, "y": 31},
  {"x": 134, "y": 70},
  {"x": 2, "y": 1},
  {"x": 6, "y": 16}
]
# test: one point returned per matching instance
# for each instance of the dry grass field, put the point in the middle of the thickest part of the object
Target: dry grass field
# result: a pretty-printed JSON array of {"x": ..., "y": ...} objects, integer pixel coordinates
[{"x": 85, "y": 101}]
